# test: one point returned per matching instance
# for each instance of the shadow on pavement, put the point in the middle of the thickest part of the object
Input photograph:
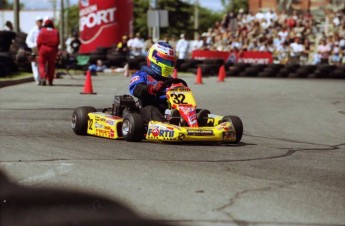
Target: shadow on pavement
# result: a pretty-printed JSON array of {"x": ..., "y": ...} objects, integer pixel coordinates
[{"x": 27, "y": 206}]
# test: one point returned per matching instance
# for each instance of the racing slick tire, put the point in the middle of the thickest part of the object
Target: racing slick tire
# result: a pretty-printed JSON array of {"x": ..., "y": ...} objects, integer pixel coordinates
[
  {"x": 80, "y": 119},
  {"x": 237, "y": 123},
  {"x": 133, "y": 127}
]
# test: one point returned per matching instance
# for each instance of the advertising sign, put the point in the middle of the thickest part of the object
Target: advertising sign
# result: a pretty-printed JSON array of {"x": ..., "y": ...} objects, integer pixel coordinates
[
  {"x": 103, "y": 23},
  {"x": 252, "y": 57}
]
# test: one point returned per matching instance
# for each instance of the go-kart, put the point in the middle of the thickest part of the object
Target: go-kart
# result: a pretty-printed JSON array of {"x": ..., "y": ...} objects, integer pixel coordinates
[{"x": 184, "y": 122}]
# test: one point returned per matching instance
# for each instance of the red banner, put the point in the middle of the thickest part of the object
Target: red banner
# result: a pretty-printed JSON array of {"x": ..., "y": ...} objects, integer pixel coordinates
[
  {"x": 245, "y": 56},
  {"x": 103, "y": 23}
]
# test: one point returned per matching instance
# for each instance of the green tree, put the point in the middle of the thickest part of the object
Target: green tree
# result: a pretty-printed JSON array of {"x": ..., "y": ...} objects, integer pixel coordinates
[
  {"x": 73, "y": 19},
  {"x": 234, "y": 5},
  {"x": 4, "y": 4},
  {"x": 181, "y": 17}
]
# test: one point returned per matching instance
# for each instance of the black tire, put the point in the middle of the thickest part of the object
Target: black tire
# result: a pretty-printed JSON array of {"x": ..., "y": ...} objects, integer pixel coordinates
[
  {"x": 132, "y": 127},
  {"x": 265, "y": 74},
  {"x": 284, "y": 72},
  {"x": 237, "y": 123},
  {"x": 80, "y": 119},
  {"x": 292, "y": 67},
  {"x": 185, "y": 66},
  {"x": 202, "y": 117},
  {"x": 338, "y": 73}
]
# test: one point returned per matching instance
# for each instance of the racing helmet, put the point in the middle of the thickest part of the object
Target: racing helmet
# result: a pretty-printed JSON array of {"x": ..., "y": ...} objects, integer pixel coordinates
[{"x": 161, "y": 59}]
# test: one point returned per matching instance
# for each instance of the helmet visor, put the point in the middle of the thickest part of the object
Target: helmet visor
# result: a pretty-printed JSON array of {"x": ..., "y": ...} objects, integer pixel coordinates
[{"x": 163, "y": 59}]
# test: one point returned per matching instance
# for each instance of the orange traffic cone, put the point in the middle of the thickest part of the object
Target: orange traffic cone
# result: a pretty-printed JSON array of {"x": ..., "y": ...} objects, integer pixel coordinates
[
  {"x": 221, "y": 74},
  {"x": 198, "y": 79},
  {"x": 175, "y": 73},
  {"x": 88, "y": 84}
]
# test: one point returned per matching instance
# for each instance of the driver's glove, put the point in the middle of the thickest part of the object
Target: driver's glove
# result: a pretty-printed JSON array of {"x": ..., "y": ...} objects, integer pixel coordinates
[{"x": 153, "y": 89}]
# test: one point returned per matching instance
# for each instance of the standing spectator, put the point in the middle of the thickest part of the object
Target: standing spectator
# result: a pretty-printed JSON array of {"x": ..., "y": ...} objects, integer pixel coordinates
[
  {"x": 182, "y": 47},
  {"x": 122, "y": 47},
  {"x": 8, "y": 26},
  {"x": 282, "y": 17},
  {"x": 149, "y": 42},
  {"x": 31, "y": 42},
  {"x": 75, "y": 44},
  {"x": 283, "y": 33},
  {"x": 137, "y": 45},
  {"x": 197, "y": 44},
  {"x": 254, "y": 45},
  {"x": 296, "y": 50},
  {"x": 308, "y": 51},
  {"x": 7, "y": 37},
  {"x": 260, "y": 15},
  {"x": 271, "y": 16},
  {"x": 47, "y": 44},
  {"x": 323, "y": 50},
  {"x": 130, "y": 41},
  {"x": 335, "y": 57}
]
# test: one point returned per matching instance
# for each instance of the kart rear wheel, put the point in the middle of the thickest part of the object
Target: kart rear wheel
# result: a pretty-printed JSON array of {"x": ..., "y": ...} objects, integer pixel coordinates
[
  {"x": 132, "y": 127},
  {"x": 238, "y": 126},
  {"x": 80, "y": 119}
]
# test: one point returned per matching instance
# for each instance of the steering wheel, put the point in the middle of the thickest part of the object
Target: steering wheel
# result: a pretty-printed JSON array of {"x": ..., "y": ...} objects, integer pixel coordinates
[{"x": 171, "y": 81}]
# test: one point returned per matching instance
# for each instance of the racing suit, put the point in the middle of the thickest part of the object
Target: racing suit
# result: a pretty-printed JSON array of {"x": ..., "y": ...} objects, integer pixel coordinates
[
  {"x": 47, "y": 43},
  {"x": 152, "y": 106}
]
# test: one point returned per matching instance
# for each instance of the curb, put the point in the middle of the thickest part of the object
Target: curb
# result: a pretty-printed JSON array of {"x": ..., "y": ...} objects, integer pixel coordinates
[{"x": 10, "y": 82}]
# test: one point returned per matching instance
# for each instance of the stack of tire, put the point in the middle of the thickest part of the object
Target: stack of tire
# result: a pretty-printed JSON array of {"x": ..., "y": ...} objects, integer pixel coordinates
[
  {"x": 253, "y": 70},
  {"x": 302, "y": 71},
  {"x": 99, "y": 54},
  {"x": 323, "y": 71},
  {"x": 339, "y": 72},
  {"x": 115, "y": 59},
  {"x": 188, "y": 65},
  {"x": 210, "y": 67},
  {"x": 271, "y": 70},
  {"x": 7, "y": 53},
  {"x": 20, "y": 52},
  {"x": 136, "y": 62},
  {"x": 286, "y": 70},
  {"x": 236, "y": 69}
]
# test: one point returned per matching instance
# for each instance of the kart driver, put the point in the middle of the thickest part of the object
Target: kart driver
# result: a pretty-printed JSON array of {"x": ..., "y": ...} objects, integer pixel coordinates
[{"x": 147, "y": 83}]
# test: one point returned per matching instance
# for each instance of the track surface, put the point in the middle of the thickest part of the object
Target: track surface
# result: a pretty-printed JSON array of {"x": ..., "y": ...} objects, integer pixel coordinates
[{"x": 289, "y": 168}]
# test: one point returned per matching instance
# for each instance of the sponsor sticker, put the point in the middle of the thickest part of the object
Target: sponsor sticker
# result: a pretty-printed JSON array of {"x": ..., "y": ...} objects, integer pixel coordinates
[
  {"x": 159, "y": 132},
  {"x": 110, "y": 122},
  {"x": 199, "y": 132},
  {"x": 134, "y": 79}
]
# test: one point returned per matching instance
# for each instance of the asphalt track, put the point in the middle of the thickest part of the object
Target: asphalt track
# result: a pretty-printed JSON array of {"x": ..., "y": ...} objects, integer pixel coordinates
[{"x": 289, "y": 168}]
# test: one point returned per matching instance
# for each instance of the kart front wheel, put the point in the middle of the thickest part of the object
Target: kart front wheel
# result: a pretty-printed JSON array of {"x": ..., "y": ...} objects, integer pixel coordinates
[
  {"x": 80, "y": 119},
  {"x": 237, "y": 124},
  {"x": 133, "y": 127}
]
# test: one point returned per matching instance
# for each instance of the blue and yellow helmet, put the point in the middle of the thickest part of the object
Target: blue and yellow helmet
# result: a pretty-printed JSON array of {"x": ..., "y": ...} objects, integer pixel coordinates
[{"x": 161, "y": 59}]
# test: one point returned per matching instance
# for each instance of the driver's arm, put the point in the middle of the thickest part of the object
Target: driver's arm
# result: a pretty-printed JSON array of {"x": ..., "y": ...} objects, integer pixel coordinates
[{"x": 141, "y": 90}]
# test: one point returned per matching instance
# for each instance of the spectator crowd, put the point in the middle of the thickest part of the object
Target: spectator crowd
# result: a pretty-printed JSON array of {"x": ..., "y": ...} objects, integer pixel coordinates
[{"x": 290, "y": 37}]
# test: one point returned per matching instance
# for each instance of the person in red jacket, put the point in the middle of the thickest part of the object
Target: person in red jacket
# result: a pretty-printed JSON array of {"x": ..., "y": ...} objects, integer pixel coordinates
[{"x": 47, "y": 45}]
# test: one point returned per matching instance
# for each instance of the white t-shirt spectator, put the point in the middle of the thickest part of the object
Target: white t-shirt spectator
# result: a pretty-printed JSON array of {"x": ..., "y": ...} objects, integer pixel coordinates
[
  {"x": 182, "y": 48},
  {"x": 31, "y": 38},
  {"x": 196, "y": 44},
  {"x": 259, "y": 16},
  {"x": 296, "y": 48},
  {"x": 283, "y": 34},
  {"x": 137, "y": 46},
  {"x": 270, "y": 16}
]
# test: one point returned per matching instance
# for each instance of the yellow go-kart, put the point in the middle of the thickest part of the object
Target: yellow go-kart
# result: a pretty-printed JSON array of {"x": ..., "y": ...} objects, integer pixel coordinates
[{"x": 184, "y": 122}]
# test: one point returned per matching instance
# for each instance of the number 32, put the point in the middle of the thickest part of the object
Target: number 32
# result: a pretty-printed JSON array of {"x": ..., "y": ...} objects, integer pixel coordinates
[{"x": 178, "y": 98}]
